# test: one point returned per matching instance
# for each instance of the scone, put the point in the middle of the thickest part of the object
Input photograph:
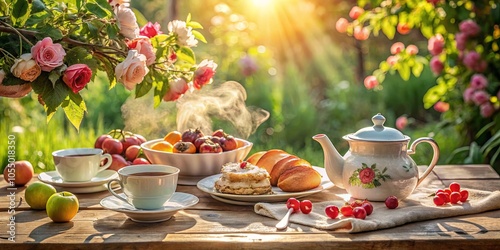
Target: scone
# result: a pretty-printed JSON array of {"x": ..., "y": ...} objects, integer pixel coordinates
[{"x": 243, "y": 178}]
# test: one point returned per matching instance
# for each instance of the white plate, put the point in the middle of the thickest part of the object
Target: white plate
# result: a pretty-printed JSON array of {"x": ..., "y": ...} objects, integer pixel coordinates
[
  {"x": 53, "y": 178},
  {"x": 207, "y": 185},
  {"x": 178, "y": 202}
]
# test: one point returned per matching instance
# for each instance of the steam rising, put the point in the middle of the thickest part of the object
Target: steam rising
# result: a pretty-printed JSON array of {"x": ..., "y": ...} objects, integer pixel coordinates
[{"x": 199, "y": 109}]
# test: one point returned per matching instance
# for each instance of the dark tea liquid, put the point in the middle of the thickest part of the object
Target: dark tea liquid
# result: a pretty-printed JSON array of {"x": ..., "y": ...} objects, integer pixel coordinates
[
  {"x": 78, "y": 155},
  {"x": 149, "y": 174}
]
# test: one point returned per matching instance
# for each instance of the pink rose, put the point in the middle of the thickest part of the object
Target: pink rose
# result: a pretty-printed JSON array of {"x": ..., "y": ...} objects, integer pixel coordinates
[
  {"x": 469, "y": 28},
  {"x": 412, "y": 49},
  {"x": 248, "y": 65},
  {"x": 127, "y": 22},
  {"x": 177, "y": 88},
  {"x": 473, "y": 61},
  {"x": 47, "y": 54},
  {"x": 436, "y": 44},
  {"x": 204, "y": 73},
  {"x": 486, "y": 109},
  {"x": 436, "y": 65},
  {"x": 479, "y": 81},
  {"x": 366, "y": 175},
  {"x": 143, "y": 45},
  {"x": 150, "y": 30},
  {"x": 132, "y": 70},
  {"x": 397, "y": 47},
  {"x": 441, "y": 106},
  {"x": 461, "y": 40},
  {"x": 341, "y": 25},
  {"x": 468, "y": 93},
  {"x": 480, "y": 96},
  {"x": 370, "y": 82},
  {"x": 401, "y": 122},
  {"x": 26, "y": 68},
  {"x": 77, "y": 76}
]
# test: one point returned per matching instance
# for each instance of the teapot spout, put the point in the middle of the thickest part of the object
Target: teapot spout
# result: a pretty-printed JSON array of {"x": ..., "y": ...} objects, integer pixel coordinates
[{"x": 334, "y": 163}]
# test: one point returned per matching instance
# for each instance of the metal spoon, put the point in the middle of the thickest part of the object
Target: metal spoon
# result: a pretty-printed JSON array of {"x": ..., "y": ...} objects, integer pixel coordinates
[{"x": 283, "y": 223}]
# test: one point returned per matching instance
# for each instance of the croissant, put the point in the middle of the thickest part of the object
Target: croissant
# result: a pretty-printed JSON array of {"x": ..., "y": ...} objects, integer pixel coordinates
[{"x": 288, "y": 172}]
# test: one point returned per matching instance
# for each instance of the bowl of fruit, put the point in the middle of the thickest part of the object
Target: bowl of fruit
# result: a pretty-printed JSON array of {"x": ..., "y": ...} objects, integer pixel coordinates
[{"x": 195, "y": 154}]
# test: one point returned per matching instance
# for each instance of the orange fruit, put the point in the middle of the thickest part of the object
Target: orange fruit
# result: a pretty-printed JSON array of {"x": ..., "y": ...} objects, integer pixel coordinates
[
  {"x": 173, "y": 137},
  {"x": 163, "y": 146}
]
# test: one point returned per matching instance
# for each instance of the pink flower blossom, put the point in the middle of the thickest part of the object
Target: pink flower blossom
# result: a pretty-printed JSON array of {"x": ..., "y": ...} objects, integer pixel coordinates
[
  {"x": 177, "y": 88},
  {"x": 469, "y": 28},
  {"x": 248, "y": 65},
  {"x": 341, "y": 25},
  {"x": 441, "y": 106},
  {"x": 366, "y": 175},
  {"x": 468, "y": 94},
  {"x": 486, "y": 109},
  {"x": 371, "y": 82},
  {"x": 204, "y": 73},
  {"x": 143, "y": 45},
  {"x": 461, "y": 40},
  {"x": 435, "y": 44},
  {"x": 436, "y": 65},
  {"x": 397, "y": 47},
  {"x": 361, "y": 33},
  {"x": 127, "y": 22},
  {"x": 401, "y": 122},
  {"x": 184, "y": 34},
  {"x": 355, "y": 12},
  {"x": 412, "y": 49},
  {"x": 48, "y": 55},
  {"x": 150, "y": 30},
  {"x": 132, "y": 70},
  {"x": 77, "y": 76},
  {"x": 391, "y": 60},
  {"x": 478, "y": 81},
  {"x": 25, "y": 68},
  {"x": 473, "y": 61},
  {"x": 403, "y": 28},
  {"x": 480, "y": 96}
]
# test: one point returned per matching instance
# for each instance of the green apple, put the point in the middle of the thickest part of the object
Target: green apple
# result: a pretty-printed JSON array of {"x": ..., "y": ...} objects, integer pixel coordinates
[
  {"x": 62, "y": 206},
  {"x": 37, "y": 194}
]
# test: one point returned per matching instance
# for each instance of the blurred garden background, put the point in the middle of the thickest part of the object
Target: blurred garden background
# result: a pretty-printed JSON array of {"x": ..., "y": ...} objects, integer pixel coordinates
[{"x": 293, "y": 62}]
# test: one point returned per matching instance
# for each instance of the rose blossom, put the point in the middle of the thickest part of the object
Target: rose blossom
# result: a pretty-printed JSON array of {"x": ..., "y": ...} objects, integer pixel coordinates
[
  {"x": 479, "y": 81},
  {"x": 469, "y": 28},
  {"x": 468, "y": 93},
  {"x": 486, "y": 109},
  {"x": 473, "y": 61},
  {"x": 117, "y": 3},
  {"x": 461, "y": 40},
  {"x": 77, "y": 76},
  {"x": 397, "y": 47},
  {"x": 370, "y": 82},
  {"x": 25, "y": 68},
  {"x": 150, "y": 30},
  {"x": 480, "y": 96},
  {"x": 184, "y": 35},
  {"x": 143, "y": 45},
  {"x": 436, "y": 65},
  {"x": 341, "y": 25},
  {"x": 435, "y": 44},
  {"x": 412, "y": 49},
  {"x": 177, "y": 88},
  {"x": 127, "y": 22},
  {"x": 401, "y": 122},
  {"x": 204, "y": 73},
  {"x": 441, "y": 106},
  {"x": 47, "y": 54},
  {"x": 132, "y": 70},
  {"x": 366, "y": 175}
]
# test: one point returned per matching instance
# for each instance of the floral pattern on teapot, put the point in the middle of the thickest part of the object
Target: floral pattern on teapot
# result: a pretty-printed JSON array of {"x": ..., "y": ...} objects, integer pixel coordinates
[{"x": 368, "y": 177}]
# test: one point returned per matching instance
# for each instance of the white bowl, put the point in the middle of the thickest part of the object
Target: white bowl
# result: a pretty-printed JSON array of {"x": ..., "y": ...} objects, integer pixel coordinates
[{"x": 196, "y": 166}]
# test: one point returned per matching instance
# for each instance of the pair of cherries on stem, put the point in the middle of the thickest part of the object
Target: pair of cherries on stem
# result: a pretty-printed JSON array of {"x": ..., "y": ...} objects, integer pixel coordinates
[{"x": 294, "y": 206}]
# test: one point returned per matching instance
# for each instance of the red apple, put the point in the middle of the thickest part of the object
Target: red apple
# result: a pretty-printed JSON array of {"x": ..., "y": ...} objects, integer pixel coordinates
[
  {"x": 18, "y": 173},
  {"x": 118, "y": 162}
]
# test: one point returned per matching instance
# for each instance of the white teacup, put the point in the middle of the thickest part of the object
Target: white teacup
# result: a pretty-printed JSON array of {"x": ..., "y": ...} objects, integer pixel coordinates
[
  {"x": 80, "y": 164},
  {"x": 146, "y": 186}
]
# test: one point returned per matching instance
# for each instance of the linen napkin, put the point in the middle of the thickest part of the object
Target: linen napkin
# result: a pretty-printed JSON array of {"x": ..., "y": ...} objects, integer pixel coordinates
[{"x": 417, "y": 207}]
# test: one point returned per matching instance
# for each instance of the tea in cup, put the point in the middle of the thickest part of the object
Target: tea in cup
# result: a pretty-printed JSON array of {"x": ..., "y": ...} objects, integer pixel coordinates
[
  {"x": 146, "y": 186},
  {"x": 80, "y": 164}
]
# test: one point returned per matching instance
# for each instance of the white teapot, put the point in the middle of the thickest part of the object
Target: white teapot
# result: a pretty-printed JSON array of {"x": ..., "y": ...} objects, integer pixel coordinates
[{"x": 377, "y": 164}]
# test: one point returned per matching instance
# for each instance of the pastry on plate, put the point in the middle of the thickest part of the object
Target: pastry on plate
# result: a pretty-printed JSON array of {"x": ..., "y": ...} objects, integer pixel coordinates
[{"x": 244, "y": 179}]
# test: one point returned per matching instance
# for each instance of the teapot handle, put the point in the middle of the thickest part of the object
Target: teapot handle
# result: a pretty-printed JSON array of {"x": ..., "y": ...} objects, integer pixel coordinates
[{"x": 435, "y": 155}]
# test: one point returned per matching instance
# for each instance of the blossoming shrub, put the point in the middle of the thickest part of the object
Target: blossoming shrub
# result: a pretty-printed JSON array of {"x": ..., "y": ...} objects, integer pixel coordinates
[
  {"x": 462, "y": 51},
  {"x": 56, "y": 48}
]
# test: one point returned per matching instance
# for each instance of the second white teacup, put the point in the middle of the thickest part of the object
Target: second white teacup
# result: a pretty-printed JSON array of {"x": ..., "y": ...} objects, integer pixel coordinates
[
  {"x": 146, "y": 186},
  {"x": 80, "y": 164}
]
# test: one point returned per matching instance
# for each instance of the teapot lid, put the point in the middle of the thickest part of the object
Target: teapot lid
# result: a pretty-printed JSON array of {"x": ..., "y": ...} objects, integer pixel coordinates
[{"x": 378, "y": 132}]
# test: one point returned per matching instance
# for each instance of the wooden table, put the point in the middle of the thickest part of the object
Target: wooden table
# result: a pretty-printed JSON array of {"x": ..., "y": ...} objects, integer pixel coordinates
[{"x": 215, "y": 225}]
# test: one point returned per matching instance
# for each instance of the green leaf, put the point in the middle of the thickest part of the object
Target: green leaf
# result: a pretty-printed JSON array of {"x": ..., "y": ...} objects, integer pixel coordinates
[
  {"x": 186, "y": 54},
  {"x": 112, "y": 30},
  {"x": 434, "y": 94},
  {"x": 199, "y": 36},
  {"x": 417, "y": 69},
  {"x": 161, "y": 88},
  {"x": 81, "y": 55},
  {"x": 188, "y": 19},
  {"x": 53, "y": 77},
  {"x": 97, "y": 10},
  {"x": 12, "y": 80},
  {"x": 37, "y": 6},
  {"x": 20, "y": 12},
  {"x": 141, "y": 19},
  {"x": 404, "y": 71},
  {"x": 143, "y": 88},
  {"x": 74, "y": 109},
  {"x": 388, "y": 29},
  {"x": 194, "y": 25},
  {"x": 49, "y": 31}
]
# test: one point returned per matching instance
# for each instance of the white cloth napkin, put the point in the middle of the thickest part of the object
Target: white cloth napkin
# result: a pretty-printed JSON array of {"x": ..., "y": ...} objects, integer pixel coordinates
[{"x": 417, "y": 207}]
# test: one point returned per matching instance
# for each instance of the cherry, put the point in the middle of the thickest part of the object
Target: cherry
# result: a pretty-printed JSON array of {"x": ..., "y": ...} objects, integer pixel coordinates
[
  {"x": 438, "y": 200},
  {"x": 140, "y": 161},
  {"x": 293, "y": 203},
  {"x": 368, "y": 207},
  {"x": 306, "y": 206},
  {"x": 464, "y": 195},
  {"x": 444, "y": 196},
  {"x": 346, "y": 210},
  {"x": 447, "y": 190},
  {"x": 359, "y": 213},
  {"x": 356, "y": 203},
  {"x": 455, "y": 197},
  {"x": 132, "y": 152},
  {"x": 391, "y": 202},
  {"x": 454, "y": 187},
  {"x": 332, "y": 211},
  {"x": 112, "y": 146},
  {"x": 243, "y": 164}
]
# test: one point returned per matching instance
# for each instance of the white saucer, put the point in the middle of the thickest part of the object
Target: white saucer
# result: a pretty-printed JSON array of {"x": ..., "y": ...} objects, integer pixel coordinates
[
  {"x": 96, "y": 184},
  {"x": 178, "y": 202}
]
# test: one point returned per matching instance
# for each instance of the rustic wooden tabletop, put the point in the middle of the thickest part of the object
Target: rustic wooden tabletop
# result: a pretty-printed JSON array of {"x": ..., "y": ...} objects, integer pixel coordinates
[{"x": 212, "y": 224}]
